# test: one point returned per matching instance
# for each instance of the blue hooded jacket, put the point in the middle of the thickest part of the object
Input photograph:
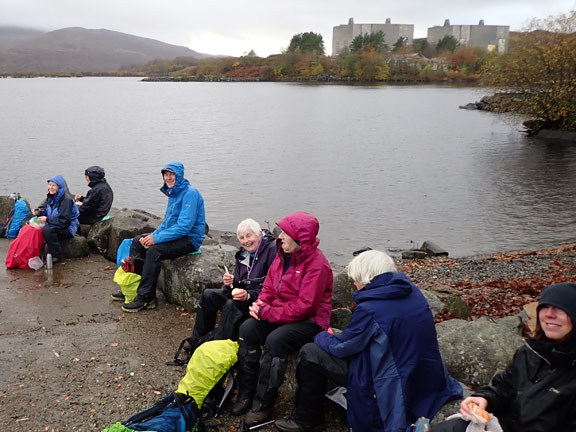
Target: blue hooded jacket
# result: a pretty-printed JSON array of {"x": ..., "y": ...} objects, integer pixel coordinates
[
  {"x": 185, "y": 215},
  {"x": 61, "y": 211},
  {"x": 396, "y": 373}
]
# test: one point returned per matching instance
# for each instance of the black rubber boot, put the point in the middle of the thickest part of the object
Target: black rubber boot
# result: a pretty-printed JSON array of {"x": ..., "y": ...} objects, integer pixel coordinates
[
  {"x": 248, "y": 366},
  {"x": 270, "y": 379}
]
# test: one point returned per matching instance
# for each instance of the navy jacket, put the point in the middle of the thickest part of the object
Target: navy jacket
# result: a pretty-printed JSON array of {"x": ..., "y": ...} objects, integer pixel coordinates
[
  {"x": 60, "y": 210},
  {"x": 395, "y": 370}
]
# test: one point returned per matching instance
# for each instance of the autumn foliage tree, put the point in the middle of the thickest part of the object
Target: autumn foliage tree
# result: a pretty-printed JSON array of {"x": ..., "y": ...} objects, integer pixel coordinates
[{"x": 540, "y": 70}]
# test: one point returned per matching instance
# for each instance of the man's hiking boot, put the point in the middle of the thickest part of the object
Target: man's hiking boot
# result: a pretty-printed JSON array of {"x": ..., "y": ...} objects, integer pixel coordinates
[
  {"x": 138, "y": 304},
  {"x": 118, "y": 296},
  {"x": 291, "y": 425}
]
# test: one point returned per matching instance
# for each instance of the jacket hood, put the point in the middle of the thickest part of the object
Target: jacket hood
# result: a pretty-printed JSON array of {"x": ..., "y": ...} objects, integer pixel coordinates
[
  {"x": 95, "y": 173},
  {"x": 59, "y": 180},
  {"x": 301, "y": 227},
  {"x": 178, "y": 169},
  {"x": 385, "y": 286}
]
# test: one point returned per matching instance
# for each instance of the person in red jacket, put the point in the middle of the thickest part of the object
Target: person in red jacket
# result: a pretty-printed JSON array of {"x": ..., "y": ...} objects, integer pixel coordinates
[{"x": 294, "y": 305}]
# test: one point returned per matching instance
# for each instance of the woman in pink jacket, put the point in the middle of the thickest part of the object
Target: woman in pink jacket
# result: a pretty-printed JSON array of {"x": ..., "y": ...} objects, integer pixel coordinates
[{"x": 294, "y": 305}]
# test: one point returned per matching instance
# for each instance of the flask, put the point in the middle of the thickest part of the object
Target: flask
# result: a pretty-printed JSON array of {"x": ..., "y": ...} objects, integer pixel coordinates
[{"x": 48, "y": 261}]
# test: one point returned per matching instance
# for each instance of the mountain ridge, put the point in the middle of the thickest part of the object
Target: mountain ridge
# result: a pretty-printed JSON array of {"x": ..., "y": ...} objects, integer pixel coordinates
[{"x": 81, "y": 50}]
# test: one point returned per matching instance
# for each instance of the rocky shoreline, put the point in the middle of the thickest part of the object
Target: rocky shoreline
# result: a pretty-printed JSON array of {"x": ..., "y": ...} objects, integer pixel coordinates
[{"x": 73, "y": 361}]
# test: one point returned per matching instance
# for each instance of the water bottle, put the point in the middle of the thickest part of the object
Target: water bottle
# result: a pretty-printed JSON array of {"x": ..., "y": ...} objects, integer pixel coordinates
[{"x": 49, "y": 261}]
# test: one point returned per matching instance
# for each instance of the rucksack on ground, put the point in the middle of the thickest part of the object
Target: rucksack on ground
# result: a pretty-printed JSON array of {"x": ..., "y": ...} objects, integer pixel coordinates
[
  {"x": 182, "y": 411},
  {"x": 27, "y": 245}
]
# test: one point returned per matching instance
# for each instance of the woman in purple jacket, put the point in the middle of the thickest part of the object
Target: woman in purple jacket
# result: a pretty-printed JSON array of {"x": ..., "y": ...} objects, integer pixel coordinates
[{"x": 241, "y": 289}]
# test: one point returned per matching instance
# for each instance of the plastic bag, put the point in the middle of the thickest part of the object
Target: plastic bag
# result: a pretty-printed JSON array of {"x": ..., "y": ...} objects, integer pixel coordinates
[
  {"x": 128, "y": 283},
  {"x": 35, "y": 263},
  {"x": 35, "y": 223}
]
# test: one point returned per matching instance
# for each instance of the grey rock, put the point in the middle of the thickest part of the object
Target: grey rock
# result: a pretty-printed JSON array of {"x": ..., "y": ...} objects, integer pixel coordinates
[
  {"x": 75, "y": 247},
  {"x": 343, "y": 289},
  {"x": 6, "y": 206},
  {"x": 183, "y": 279},
  {"x": 106, "y": 236},
  {"x": 436, "y": 305},
  {"x": 432, "y": 249},
  {"x": 474, "y": 351},
  {"x": 414, "y": 254},
  {"x": 450, "y": 297},
  {"x": 340, "y": 318}
]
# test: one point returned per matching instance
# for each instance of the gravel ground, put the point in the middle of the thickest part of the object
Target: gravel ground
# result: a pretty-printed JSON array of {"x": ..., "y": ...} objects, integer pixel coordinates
[{"x": 71, "y": 360}]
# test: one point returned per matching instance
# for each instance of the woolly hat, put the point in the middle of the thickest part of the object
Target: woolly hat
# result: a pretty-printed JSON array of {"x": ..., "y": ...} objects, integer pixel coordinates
[{"x": 561, "y": 295}]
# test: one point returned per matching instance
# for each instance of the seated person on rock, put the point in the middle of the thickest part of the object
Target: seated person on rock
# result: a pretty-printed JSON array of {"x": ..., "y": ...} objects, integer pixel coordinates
[
  {"x": 98, "y": 201},
  {"x": 537, "y": 392},
  {"x": 293, "y": 306},
  {"x": 181, "y": 232},
  {"x": 388, "y": 357},
  {"x": 60, "y": 216},
  {"x": 253, "y": 260}
]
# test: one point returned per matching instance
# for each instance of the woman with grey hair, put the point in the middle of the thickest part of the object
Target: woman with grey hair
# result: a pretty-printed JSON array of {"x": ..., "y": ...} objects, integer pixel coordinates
[
  {"x": 388, "y": 356},
  {"x": 257, "y": 251}
]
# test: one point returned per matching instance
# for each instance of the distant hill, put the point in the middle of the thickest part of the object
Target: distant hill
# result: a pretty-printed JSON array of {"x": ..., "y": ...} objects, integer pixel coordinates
[{"x": 77, "y": 49}]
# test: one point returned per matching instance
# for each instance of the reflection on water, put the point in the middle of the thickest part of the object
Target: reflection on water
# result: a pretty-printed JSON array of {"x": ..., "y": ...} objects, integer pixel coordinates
[{"x": 380, "y": 166}]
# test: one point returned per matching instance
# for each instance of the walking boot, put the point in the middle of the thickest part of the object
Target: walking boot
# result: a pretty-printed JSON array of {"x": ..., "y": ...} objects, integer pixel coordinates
[
  {"x": 256, "y": 418},
  {"x": 248, "y": 365},
  {"x": 296, "y": 425}
]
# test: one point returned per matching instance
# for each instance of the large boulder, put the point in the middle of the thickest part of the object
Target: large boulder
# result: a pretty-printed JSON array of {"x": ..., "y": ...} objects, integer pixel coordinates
[
  {"x": 75, "y": 247},
  {"x": 450, "y": 297},
  {"x": 6, "y": 206},
  {"x": 183, "y": 279},
  {"x": 105, "y": 236},
  {"x": 343, "y": 289},
  {"x": 436, "y": 305},
  {"x": 216, "y": 237},
  {"x": 474, "y": 351},
  {"x": 340, "y": 318}
]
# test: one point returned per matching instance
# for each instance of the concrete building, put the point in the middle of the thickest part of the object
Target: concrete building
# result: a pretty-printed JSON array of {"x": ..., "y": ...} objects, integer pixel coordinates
[
  {"x": 493, "y": 38},
  {"x": 343, "y": 35}
]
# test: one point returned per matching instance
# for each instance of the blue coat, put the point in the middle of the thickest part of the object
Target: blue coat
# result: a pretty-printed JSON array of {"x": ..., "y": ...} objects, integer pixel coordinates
[
  {"x": 396, "y": 373},
  {"x": 61, "y": 210},
  {"x": 185, "y": 212}
]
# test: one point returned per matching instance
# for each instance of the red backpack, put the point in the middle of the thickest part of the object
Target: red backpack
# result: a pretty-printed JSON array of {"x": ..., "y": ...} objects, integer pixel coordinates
[{"x": 27, "y": 245}]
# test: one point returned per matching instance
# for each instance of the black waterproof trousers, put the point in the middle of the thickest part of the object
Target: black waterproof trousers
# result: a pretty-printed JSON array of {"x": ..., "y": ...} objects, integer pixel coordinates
[
  {"x": 317, "y": 372},
  {"x": 148, "y": 262},
  {"x": 52, "y": 238},
  {"x": 261, "y": 371},
  {"x": 234, "y": 313}
]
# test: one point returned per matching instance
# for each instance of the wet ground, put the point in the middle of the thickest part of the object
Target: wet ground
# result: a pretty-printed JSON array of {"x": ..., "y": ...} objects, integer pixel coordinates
[{"x": 72, "y": 360}]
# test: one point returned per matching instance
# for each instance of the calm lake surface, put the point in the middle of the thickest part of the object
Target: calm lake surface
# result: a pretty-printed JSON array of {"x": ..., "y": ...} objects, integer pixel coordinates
[{"x": 380, "y": 166}]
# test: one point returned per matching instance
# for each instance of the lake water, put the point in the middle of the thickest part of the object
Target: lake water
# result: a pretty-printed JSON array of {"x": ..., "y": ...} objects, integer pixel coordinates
[{"x": 380, "y": 166}]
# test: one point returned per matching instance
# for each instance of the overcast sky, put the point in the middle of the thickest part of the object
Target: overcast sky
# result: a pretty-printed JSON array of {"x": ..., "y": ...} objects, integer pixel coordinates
[{"x": 234, "y": 27}]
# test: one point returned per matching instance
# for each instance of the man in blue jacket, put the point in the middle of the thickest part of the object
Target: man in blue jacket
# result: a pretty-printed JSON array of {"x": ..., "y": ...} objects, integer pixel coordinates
[
  {"x": 388, "y": 357},
  {"x": 181, "y": 232}
]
